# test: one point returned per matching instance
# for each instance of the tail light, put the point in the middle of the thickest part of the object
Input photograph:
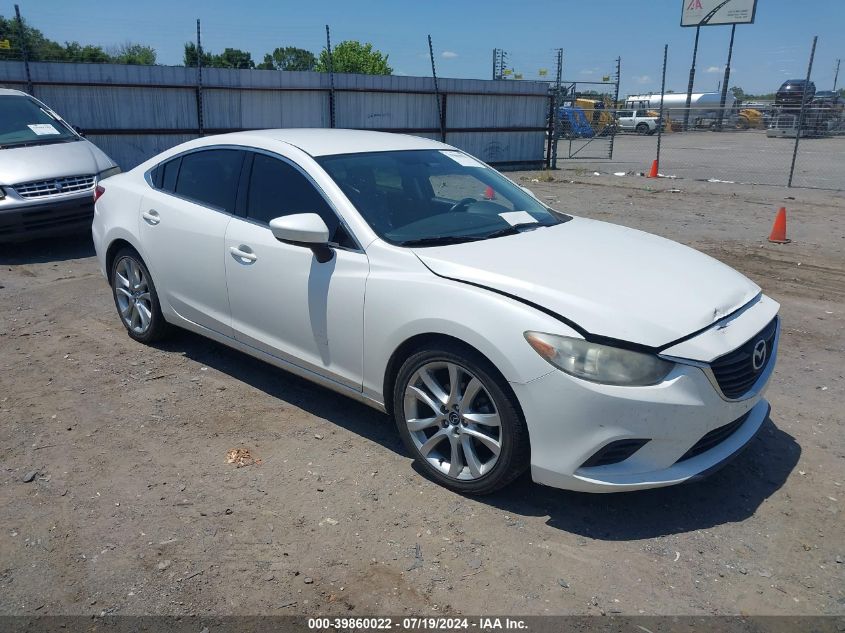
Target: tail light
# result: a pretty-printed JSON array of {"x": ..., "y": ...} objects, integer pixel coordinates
[{"x": 98, "y": 191}]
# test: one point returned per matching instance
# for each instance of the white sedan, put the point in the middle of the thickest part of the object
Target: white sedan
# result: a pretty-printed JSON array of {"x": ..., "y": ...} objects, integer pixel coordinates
[{"x": 500, "y": 334}]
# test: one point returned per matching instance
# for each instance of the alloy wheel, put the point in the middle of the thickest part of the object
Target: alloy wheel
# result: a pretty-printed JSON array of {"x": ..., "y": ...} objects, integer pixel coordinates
[
  {"x": 131, "y": 289},
  {"x": 452, "y": 420}
]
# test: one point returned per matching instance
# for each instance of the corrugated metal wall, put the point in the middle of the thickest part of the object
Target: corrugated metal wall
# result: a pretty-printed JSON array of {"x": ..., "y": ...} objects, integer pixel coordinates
[{"x": 134, "y": 112}]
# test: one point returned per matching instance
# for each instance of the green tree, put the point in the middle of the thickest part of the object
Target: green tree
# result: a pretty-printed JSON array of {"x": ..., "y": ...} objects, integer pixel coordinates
[
  {"x": 136, "y": 54},
  {"x": 39, "y": 47},
  {"x": 739, "y": 93},
  {"x": 289, "y": 58},
  {"x": 190, "y": 56},
  {"x": 233, "y": 58},
  {"x": 76, "y": 52},
  {"x": 353, "y": 57}
]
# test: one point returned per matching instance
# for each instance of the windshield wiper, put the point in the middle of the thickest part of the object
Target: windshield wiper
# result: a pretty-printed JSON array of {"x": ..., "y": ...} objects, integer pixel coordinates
[
  {"x": 513, "y": 229},
  {"x": 441, "y": 240},
  {"x": 36, "y": 142}
]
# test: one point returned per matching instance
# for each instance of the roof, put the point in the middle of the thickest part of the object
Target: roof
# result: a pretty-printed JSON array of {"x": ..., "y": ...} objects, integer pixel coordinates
[
  {"x": 323, "y": 141},
  {"x": 9, "y": 91}
]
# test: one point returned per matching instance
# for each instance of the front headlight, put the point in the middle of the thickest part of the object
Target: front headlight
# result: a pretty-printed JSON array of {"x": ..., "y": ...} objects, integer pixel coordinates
[
  {"x": 599, "y": 363},
  {"x": 106, "y": 173},
  {"x": 2, "y": 193}
]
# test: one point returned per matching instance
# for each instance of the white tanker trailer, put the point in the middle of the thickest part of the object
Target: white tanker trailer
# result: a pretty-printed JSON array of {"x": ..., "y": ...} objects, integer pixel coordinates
[
  {"x": 703, "y": 110},
  {"x": 678, "y": 100}
]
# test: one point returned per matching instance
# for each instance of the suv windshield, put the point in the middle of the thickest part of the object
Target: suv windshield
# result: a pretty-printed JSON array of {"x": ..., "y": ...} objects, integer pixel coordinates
[
  {"x": 431, "y": 197},
  {"x": 24, "y": 122}
]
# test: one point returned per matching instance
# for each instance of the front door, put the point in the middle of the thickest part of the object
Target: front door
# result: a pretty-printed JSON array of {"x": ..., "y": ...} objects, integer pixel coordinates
[{"x": 283, "y": 301}]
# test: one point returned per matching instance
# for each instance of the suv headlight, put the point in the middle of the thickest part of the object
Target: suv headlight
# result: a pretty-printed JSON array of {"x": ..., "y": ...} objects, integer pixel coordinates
[
  {"x": 599, "y": 363},
  {"x": 106, "y": 173}
]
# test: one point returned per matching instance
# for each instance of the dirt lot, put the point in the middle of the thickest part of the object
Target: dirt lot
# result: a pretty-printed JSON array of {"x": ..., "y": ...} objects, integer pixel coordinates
[{"x": 134, "y": 509}]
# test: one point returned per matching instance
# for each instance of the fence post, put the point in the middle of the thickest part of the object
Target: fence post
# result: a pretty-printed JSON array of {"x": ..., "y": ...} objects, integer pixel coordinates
[
  {"x": 801, "y": 114},
  {"x": 691, "y": 78},
  {"x": 200, "y": 122},
  {"x": 724, "y": 95},
  {"x": 331, "y": 76},
  {"x": 660, "y": 115},
  {"x": 437, "y": 92},
  {"x": 24, "y": 51},
  {"x": 615, "y": 106}
]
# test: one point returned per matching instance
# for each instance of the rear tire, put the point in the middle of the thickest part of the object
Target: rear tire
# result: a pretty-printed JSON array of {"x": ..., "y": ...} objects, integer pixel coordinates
[
  {"x": 460, "y": 421},
  {"x": 135, "y": 297},
  {"x": 642, "y": 128}
]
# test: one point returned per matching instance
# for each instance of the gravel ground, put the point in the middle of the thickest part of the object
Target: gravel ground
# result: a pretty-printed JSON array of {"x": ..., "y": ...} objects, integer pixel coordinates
[{"x": 132, "y": 507}]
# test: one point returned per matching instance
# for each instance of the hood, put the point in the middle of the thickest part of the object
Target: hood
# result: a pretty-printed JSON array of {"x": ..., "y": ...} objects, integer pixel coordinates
[
  {"x": 40, "y": 162},
  {"x": 608, "y": 280}
]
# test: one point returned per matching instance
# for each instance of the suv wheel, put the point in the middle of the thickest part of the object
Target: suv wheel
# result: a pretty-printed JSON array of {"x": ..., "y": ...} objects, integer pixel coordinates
[{"x": 642, "y": 128}]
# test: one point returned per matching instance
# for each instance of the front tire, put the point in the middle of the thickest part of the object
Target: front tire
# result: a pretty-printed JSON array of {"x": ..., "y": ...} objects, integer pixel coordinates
[
  {"x": 460, "y": 421},
  {"x": 135, "y": 297}
]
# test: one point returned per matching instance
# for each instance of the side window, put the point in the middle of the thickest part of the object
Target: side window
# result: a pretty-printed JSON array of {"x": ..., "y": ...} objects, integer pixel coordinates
[
  {"x": 277, "y": 188},
  {"x": 210, "y": 177},
  {"x": 168, "y": 175}
]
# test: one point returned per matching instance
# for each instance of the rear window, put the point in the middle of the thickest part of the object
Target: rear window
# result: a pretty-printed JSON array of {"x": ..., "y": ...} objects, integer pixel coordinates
[{"x": 210, "y": 177}]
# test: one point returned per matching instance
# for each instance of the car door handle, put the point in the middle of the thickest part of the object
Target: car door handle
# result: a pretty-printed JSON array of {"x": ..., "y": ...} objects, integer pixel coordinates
[
  {"x": 151, "y": 217},
  {"x": 243, "y": 254}
]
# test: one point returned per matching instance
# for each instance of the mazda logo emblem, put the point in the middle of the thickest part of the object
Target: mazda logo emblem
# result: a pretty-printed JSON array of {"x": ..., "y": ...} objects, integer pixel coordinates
[{"x": 758, "y": 358}]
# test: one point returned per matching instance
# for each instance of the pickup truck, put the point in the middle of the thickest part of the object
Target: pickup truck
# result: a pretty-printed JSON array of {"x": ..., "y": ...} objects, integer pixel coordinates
[{"x": 638, "y": 121}]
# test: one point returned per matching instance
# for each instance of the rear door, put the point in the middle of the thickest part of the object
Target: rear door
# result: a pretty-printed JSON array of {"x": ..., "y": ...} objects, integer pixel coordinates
[
  {"x": 183, "y": 226},
  {"x": 626, "y": 119}
]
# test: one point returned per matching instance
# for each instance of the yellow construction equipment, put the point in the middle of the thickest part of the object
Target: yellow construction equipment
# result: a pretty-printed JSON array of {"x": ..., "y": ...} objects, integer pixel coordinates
[{"x": 749, "y": 118}]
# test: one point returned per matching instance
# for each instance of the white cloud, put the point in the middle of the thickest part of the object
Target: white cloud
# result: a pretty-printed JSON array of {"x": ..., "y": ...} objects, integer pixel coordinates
[
  {"x": 642, "y": 79},
  {"x": 714, "y": 69},
  {"x": 448, "y": 55},
  {"x": 587, "y": 71}
]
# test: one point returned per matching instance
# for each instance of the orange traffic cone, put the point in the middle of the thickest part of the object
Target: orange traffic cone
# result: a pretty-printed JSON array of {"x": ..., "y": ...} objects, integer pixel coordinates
[
  {"x": 778, "y": 235},
  {"x": 653, "y": 172},
  {"x": 489, "y": 194}
]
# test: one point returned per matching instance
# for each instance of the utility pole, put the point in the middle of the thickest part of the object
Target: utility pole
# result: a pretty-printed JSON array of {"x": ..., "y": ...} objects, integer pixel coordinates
[
  {"x": 24, "y": 51},
  {"x": 836, "y": 75}
]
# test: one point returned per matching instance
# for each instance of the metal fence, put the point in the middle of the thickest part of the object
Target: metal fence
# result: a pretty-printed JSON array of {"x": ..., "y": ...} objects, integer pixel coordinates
[
  {"x": 134, "y": 112},
  {"x": 797, "y": 139}
]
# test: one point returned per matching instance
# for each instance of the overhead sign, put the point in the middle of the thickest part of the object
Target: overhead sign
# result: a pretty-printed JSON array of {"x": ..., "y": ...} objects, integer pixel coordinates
[{"x": 715, "y": 12}]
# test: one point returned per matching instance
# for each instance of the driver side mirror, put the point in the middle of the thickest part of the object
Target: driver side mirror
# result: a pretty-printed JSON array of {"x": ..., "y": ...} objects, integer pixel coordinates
[{"x": 304, "y": 229}]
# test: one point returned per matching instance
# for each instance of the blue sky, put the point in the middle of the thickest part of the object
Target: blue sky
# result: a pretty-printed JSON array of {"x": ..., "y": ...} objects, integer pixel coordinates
[{"x": 592, "y": 34}]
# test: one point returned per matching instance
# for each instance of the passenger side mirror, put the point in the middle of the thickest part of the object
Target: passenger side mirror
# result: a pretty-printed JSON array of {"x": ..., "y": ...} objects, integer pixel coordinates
[{"x": 304, "y": 229}]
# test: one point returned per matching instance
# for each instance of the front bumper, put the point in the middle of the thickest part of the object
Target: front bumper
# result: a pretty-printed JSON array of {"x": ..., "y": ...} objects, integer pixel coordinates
[
  {"x": 571, "y": 421},
  {"x": 59, "y": 216}
]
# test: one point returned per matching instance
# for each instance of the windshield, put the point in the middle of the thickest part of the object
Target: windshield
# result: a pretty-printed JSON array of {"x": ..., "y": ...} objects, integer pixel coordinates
[
  {"x": 24, "y": 122},
  {"x": 430, "y": 197}
]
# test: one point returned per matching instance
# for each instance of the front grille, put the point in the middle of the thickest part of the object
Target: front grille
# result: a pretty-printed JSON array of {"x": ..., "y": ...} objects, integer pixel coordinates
[
  {"x": 735, "y": 372},
  {"x": 714, "y": 437},
  {"x": 615, "y": 452},
  {"x": 53, "y": 186}
]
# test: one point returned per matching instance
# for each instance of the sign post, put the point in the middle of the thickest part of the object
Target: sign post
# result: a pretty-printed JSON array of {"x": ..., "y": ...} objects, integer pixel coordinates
[{"x": 700, "y": 13}]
